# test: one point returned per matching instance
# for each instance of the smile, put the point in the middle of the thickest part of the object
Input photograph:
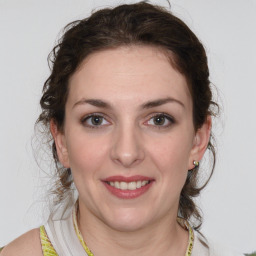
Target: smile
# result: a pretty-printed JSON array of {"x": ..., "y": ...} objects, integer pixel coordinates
[{"x": 128, "y": 185}]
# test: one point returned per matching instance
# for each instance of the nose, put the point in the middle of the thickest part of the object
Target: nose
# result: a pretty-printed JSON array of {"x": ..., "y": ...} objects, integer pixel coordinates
[{"x": 127, "y": 148}]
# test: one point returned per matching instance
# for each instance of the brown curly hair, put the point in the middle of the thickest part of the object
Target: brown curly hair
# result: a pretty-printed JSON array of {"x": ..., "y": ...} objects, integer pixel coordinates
[{"x": 130, "y": 24}]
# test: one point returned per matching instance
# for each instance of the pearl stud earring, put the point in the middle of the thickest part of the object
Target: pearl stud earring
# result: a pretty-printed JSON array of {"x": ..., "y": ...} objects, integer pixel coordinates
[{"x": 195, "y": 163}]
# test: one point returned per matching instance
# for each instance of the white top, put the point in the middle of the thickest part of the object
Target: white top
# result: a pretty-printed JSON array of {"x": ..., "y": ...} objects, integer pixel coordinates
[{"x": 66, "y": 243}]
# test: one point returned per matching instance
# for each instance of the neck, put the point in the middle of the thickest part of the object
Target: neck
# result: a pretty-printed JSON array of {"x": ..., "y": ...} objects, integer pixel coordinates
[{"x": 162, "y": 237}]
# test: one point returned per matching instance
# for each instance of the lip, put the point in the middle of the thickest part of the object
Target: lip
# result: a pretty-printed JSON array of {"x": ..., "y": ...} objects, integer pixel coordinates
[
  {"x": 128, "y": 194},
  {"x": 127, "y": 179}
]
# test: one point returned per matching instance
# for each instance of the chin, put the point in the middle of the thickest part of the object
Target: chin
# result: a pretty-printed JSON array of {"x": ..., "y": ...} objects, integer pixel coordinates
[{"x": 127, "y": 220}]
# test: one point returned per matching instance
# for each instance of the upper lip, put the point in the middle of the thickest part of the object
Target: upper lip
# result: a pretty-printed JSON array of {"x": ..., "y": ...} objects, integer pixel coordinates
[{"x": 127, "y": 179}]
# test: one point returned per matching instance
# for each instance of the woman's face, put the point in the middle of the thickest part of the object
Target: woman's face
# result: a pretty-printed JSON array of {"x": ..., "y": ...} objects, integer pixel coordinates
[{"x": 128, "y": 136}]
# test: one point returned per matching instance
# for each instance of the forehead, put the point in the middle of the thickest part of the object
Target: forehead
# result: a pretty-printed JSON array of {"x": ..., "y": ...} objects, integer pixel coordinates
[{"x": 129, "y": 74}]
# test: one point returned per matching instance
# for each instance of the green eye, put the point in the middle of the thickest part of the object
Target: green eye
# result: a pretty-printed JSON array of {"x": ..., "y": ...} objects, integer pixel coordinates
[
  {"x": 94, "y": 121},
  {"x": 159, "y": 120}
]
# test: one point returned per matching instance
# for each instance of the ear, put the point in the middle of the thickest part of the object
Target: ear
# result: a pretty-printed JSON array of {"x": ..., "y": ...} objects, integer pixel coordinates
[
  {"x": 200, "y": 143},
  {"x": 60, "y": 143}
]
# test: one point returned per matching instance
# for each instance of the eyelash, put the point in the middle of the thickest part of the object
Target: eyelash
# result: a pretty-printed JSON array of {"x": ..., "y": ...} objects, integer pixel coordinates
[
  {"x": 167, "y": 117},
  {"x": 88, "y": 117}
]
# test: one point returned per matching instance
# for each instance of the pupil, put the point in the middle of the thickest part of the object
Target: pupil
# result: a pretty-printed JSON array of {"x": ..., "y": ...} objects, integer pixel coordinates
[
  {"x": 96, "y": 120},
  {"x": 159, "y": 120}
]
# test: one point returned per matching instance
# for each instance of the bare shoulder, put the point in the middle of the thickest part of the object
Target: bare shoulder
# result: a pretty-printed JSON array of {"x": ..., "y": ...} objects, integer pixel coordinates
[{"x": 27, "y": 244}]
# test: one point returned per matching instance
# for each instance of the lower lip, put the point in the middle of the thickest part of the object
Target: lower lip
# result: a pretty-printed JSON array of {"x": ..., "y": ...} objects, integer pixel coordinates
[{"x": 128, "y": 194}]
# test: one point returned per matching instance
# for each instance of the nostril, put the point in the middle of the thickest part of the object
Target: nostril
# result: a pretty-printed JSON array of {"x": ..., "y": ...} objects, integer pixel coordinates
[{"x": 127, "y": 149}]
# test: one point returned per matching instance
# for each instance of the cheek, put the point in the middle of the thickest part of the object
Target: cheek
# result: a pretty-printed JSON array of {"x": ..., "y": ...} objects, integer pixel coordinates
[
  {"x": 86, "y": 153},
  {"x": 171, "y": 152},
  {"x": 170, "y": 157}
]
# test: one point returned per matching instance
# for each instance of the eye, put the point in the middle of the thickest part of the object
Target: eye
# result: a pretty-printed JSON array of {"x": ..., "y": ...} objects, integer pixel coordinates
[
  {"x": 94, "y": 121},
  {"x": 161, "y": 120}
]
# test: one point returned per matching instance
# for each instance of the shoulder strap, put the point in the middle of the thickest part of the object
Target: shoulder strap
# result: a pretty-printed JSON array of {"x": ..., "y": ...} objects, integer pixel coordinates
[
  {"x": 47, "y": 247},
  {"x": 201, "y": 245},
  {"x": 63, "y": 237}
]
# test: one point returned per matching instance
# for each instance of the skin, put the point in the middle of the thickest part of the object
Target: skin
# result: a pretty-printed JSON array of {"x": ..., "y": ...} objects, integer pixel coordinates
[
  {"x": 27, "y": 244},
  {"x": 128, "y": 141}
]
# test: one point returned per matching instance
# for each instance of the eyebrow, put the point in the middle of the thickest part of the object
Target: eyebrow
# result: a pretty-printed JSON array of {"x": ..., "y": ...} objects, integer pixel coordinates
[
  {"x": 150, "y": 104},
  {"x": 159, "y": 102},
  {"x": 94, "y": 102}
]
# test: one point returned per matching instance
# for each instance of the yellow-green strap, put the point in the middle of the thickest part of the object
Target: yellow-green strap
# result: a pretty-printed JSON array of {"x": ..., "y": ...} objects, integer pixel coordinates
[
  {"x": 1, "y": 248},
  {"x": 79, "y": 235},
  {"x": 184, "y": 223},
  {"x": 47, "y": 247}
]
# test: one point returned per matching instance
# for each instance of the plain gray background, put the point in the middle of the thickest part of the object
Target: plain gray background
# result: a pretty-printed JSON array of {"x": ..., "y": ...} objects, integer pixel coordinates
[{"x": 28, "y": 30}]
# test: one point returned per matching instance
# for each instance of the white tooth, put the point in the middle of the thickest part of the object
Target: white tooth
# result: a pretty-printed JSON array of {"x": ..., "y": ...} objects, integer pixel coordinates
[
  {"x": 132, "y": 185},
  {"x": 117, "y": 185},
  {"x": 144, "y": 182},
  {"x": 138, "y": 184},
  {"x": 123, "y": 185},
  {"x": 112, "y": 183}
]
